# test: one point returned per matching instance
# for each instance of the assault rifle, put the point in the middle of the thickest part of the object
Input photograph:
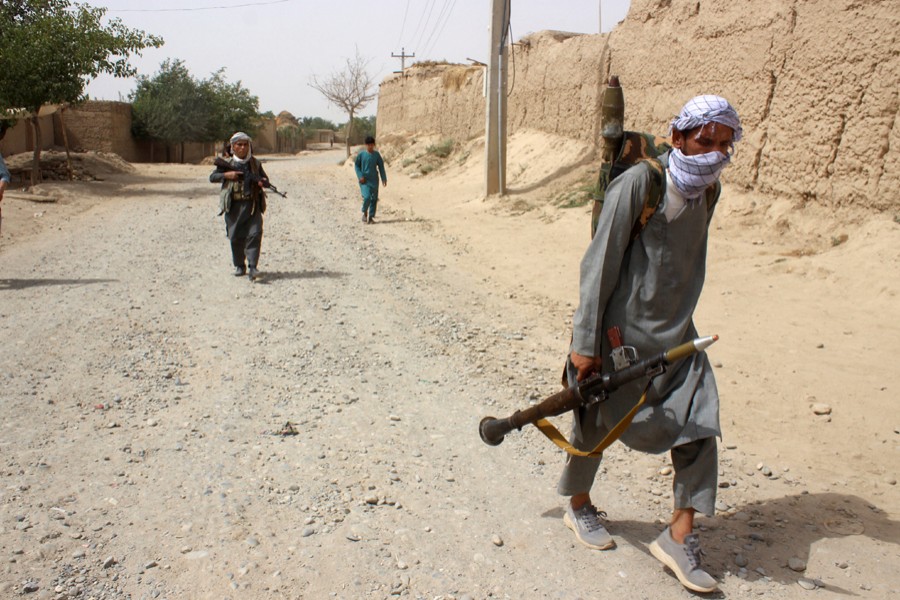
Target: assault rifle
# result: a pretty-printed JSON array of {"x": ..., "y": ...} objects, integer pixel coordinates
[
  {"x": 595, "y": 388},
  {"x": 250, "y": 179}
]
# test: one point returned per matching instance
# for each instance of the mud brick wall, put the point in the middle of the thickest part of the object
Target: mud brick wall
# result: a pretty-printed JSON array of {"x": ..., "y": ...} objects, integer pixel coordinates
[{"x": 815, "y": 81}]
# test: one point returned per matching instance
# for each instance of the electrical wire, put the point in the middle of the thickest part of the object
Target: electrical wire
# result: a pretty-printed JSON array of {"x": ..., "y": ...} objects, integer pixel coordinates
[
  {"x": 449, "y": 5},
  {"x": 512, "y": 55},
  {"x": 188, "y": 9},
  {"x": 403, "y": 26},
  {"x": 427, "y": 20}
]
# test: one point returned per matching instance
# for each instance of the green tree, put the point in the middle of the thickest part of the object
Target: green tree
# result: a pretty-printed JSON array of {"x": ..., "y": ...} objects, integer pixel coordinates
[
  {"x": 232, "y": 107},
  {"x": 171, "y": 107},
  {"x": 174, "y": 107},
  {"x": 317, "y": 123},
  {"x": 362, "y": 127},
  {"x": 51, "y": 49}
]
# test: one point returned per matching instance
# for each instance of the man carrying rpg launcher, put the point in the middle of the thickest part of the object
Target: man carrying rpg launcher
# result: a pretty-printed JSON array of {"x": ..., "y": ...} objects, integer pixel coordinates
[
  {"x": 649, "y": 287},
  {"x": 243, "y": 202}
]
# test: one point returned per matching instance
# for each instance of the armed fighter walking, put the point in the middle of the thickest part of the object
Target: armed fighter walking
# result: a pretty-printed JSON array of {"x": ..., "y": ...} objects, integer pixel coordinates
[
  {"x": 243, "y": 202},
  {"x": 649, "y": 286}
]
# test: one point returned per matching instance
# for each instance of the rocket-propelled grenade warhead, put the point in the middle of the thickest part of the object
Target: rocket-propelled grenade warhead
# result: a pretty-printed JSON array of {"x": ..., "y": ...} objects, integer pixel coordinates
[{"x": 695, "y": 345}]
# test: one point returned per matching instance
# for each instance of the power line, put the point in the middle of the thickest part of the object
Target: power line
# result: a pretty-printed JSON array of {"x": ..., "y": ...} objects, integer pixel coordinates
[
  {"x": 421, "y": 32},
  {"x": 403, "y": 26},
  {"x": 188, "y": 9},
  {"x": 448, "y": 5}
]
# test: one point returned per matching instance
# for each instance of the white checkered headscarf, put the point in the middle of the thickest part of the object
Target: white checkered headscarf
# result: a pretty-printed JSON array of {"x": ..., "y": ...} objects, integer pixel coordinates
[
  {"x": 693, "y": 174},
  {"x": 701, "y": 110}
]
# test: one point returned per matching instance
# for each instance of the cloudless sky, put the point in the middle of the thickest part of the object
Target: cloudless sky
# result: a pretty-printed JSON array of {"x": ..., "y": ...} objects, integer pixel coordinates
[{"x": 274, "y": 47}]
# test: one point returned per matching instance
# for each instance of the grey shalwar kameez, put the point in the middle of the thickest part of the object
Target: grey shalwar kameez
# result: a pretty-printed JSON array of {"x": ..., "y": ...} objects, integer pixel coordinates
[
  {"x": 649, "y": 288},
  {"x": 243, "y": 215}
]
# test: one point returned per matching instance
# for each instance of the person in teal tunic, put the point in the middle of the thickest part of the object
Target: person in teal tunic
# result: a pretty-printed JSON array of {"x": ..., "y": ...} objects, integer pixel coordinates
[
  {"x": 369, "y": 165},
  {"x": 649, "y": 288}
]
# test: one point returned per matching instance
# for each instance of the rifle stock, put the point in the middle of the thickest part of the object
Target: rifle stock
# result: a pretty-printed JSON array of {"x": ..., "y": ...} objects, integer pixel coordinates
[{"x": 493, "y": 430}]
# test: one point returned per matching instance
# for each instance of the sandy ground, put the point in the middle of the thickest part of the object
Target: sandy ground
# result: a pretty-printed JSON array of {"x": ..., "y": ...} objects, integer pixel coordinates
[{"x": 146, "y": 394}]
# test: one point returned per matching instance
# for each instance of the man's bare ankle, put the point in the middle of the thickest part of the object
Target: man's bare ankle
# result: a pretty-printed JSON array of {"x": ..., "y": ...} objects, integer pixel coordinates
[{"x": 579, "y": 500}]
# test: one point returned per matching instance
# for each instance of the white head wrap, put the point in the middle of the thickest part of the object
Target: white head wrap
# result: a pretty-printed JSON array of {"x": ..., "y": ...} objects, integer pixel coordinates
[
  {"x": 701, "y": 110},
  {"x": 693, "y": 174},
  {"x": 240, "y": 136}
]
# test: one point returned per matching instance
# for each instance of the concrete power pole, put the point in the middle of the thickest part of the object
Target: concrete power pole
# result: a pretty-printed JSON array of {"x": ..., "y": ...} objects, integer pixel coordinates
[
  {"x": 495, "y": 109},
  {"x": 403, "y": 56}
]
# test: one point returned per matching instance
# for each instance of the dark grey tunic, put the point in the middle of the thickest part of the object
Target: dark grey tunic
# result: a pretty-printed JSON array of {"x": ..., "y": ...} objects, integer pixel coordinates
[{"x": 650, "y": 289}]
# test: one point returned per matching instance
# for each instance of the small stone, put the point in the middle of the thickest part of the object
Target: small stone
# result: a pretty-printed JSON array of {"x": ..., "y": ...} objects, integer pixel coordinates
[
  {"x": 151, "y": 564},
  {"x": 307, "y": 531},
  {"x": 394, "y": 418},
  {"x": 890, "y": 481},
  {"x": 820, "y": 408},
  {"x": 496, "y": 540},
  {"x": 371, "y": 499},
  {"x": 806, "y": 584},
  {"x": 766, "y": 471},
  {"x": 30, "y": 587},
  {"x": 667, "y": 470},
  {"x": 741, "y": 560},
  {"x": 796, "y": 564},
  {"x": 110, "y": 561},
  {"x": 842, "y": 565}
]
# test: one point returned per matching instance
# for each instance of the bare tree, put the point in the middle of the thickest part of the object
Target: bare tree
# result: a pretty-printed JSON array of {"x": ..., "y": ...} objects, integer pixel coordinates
[{"x": 349, "y": 89}]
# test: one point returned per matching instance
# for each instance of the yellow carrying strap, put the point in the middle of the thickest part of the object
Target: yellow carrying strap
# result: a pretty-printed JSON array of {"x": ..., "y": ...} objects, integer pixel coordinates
[{"x": 553, "y": 434}]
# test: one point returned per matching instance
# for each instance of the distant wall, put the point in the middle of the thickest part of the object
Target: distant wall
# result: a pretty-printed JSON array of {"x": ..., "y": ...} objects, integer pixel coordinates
[
  {"x": 105, "y": 126},
  {"x": 20, "y": 138},
  {"x": 816, "y": 83},
  {"x": 101, "y": 126}
]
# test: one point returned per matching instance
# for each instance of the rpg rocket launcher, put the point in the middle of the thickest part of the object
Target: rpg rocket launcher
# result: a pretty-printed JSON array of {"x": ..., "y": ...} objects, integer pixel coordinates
[{"x": 595, "y": 388}]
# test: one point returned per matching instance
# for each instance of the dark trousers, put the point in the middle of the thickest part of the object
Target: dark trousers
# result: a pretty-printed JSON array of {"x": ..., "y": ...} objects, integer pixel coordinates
[{"x": 246, "y": 249}]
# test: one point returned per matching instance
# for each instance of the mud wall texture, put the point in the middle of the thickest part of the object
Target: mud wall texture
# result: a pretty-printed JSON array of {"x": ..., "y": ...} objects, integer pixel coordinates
[
  {"x": 105, "y": 126},
  {"x": 815, "y": 81}
]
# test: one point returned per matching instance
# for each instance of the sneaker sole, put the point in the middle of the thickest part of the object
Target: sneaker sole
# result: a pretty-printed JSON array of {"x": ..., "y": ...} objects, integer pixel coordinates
[
  {"x": 570, "y": 525},
  {"x": 667, "y": 560}
]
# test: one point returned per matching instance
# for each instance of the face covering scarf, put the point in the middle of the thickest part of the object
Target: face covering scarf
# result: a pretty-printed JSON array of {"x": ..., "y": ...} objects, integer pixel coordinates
[{"x": 693, "y": 174}]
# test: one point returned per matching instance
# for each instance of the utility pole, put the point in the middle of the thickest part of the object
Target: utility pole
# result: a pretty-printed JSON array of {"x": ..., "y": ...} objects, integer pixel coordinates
[
  {"x": 403, "y": 56},
  {"x": 495, "y": 109}
]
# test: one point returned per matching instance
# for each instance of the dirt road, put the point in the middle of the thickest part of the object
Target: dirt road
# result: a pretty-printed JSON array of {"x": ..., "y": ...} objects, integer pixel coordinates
[{"x": 149, "y": 403}]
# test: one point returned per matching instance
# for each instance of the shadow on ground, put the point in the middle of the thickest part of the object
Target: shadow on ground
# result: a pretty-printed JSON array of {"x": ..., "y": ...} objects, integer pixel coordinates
[
  {"x": 270, "y": 276},
  {"x": 21, "y": 284},
  {"x": 770, "y": 532}
]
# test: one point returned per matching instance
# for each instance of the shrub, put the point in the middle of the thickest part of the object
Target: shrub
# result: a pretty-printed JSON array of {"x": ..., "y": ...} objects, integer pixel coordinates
[{"x": 442, "y": 149}]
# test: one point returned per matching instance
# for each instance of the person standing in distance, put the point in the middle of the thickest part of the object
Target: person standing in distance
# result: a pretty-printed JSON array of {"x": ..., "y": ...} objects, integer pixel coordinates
[
  {"x": 369, "y": 165},
  {"x": 649, "y": 288},
  {"x": 243, "y": 205}
]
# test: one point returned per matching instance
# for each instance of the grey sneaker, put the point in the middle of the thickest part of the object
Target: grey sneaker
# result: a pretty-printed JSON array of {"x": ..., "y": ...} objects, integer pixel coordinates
[
  {"x": 684, "y": 560},
  {"x": 585, "y": 522}
]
